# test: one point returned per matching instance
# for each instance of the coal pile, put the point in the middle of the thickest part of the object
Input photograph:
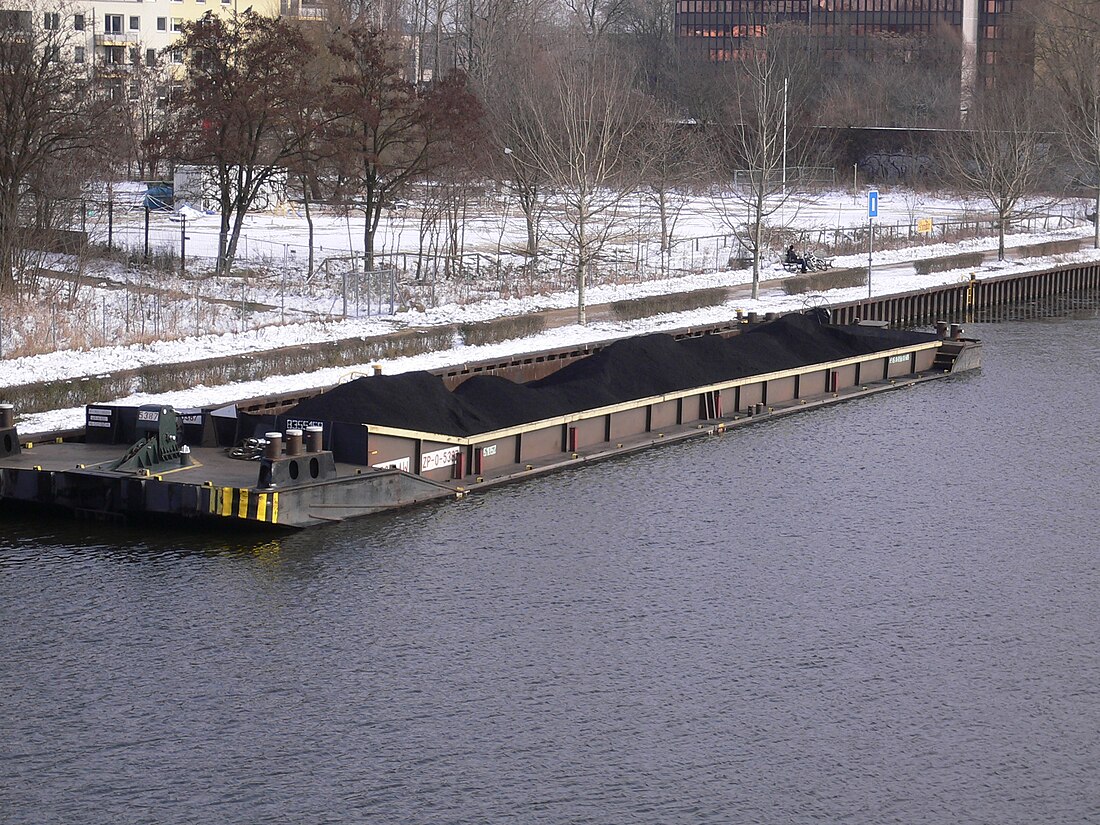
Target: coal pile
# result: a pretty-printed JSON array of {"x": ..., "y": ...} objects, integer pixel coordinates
[
  {"x": 626, "y": 370},
  {"x": 413, "y": 400}
]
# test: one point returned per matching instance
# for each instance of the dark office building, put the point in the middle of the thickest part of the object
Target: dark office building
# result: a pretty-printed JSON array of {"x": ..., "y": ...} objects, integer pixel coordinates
[{"x": 986, "y": 30}]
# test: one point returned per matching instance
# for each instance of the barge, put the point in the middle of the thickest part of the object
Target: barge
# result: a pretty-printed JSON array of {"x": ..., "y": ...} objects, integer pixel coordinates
[{"x": 383, "y": 442}]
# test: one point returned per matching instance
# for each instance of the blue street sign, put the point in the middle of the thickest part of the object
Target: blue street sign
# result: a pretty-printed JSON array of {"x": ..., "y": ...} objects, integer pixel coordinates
[{"x": 872, "y": 204}]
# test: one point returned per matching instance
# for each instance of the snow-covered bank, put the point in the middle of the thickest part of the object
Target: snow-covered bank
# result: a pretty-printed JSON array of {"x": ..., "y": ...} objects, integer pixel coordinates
[
  {"x": 771, "y": 300},
  {"x": 71, "y": 364}
]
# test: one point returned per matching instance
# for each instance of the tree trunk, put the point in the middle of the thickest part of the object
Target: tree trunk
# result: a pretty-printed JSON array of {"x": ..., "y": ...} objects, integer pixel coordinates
[
  {"x": 372, "y": 214},
  {"x": 757, "y": 243},
  {"x": 234, "y": 239},
  {"x": 662, "y": 206},
  {"x": 532, "y": 237},
  {"x": 1096, "y": 220},
  {"x": 1001, "y": 238},
  {"x": 582, "y": 265},
  {"x": 8, "y": 239},
  {"x": 223, "y": 241},
  {"x": 528, "y": 202},
  {"x": 309, "y": 223}
]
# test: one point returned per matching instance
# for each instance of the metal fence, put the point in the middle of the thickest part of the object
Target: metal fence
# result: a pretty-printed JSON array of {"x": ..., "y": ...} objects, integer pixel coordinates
[
  {"x": 839, "y": 240},
  {"x": 419, "y": 278},
  {"x": 725, "y": 251},
  {"x": 361, "y": 292}
]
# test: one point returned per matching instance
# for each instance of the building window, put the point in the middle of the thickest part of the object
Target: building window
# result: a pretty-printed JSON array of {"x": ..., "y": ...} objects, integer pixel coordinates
[
  {"x": 135, "y": 23},
  {"x": 112, "y": 23},
  {"x": 78, "y": 22},
  {"x": 177, "y": 24},
  {"x": 135, "y": 55},
  {"x": 150, "y": 57},
  {"x": 175, "y": 56},
  {"x": 51, "y": 21},
  {"x": 162, "y": 24},
  {"x": 78, "y": 54},
  {"x": 115, "y": 55}
]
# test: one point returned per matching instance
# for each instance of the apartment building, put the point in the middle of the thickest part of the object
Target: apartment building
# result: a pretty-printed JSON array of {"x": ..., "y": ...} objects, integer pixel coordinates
[{"x": 112, "y": 37}]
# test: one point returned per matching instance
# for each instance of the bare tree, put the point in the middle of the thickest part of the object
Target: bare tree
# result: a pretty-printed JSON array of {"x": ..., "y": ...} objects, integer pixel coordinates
[
  {"x": 1069, "y": 55},
  {"x": 523, "y": 175},
  {"x": 1001, "y": 156},
  {"x": 146, "y": 115},
  {"x": 672, "y": 162},
  {"x": 521, "y": 75},
  {"x": 392, "y": 131},
  {"x": 651, "y": 32},
  {"x": 490, "y": 30},
  {"x": 595, "y": 18},
  {"x": 243, "y": 84},
  {"x": 581, "y": 142},
  {"x": 761, "y": 137},
  {"x": 313, "y": 126},
  {"x": 51, "y": 127},
  {"x": 896, "y": 80}
]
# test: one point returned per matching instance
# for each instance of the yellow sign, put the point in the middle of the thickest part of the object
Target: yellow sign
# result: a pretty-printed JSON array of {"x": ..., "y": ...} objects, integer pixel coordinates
[{"x": 924, "y": 225}]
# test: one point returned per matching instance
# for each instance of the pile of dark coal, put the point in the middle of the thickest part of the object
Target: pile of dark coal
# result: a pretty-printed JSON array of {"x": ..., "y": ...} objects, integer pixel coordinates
[{"x": 626, "y": 370}]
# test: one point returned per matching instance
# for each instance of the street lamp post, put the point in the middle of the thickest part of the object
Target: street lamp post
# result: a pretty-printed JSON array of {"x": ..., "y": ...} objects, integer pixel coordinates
[{"x": 784, "y": 135}]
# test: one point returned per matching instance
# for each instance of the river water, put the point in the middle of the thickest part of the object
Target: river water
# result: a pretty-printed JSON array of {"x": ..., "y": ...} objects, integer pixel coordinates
[{"x": 883, "y": 611}]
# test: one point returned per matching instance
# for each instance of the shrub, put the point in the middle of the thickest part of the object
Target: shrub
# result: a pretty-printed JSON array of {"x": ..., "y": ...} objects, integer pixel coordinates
[
  {"x": 960, "y": 261},
  {"x": 502, "y": 329},
  {"x": 821, "y": 281},
  {"x": 660, "y": 304}
]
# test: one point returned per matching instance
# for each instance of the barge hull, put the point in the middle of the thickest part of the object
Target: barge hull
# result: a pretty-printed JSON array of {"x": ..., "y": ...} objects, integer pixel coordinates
[{"x": 322, "y": 486}]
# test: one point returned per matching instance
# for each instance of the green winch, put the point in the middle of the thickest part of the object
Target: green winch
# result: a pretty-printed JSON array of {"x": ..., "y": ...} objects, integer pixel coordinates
[{"x": 158, "y": 447}]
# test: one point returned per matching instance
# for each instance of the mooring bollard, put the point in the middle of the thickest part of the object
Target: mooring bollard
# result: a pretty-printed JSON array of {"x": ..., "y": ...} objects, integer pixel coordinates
[
  {"x": 956, "y": 332},
  {"x": 185, "y": 456},
  {"x": 941, "y": 329},
  {"x": 7, "y": 416},
  {"x": 314, "y": 439},
  {"x": 274, "y": 447},
  {"x": 293, "y": 443}
]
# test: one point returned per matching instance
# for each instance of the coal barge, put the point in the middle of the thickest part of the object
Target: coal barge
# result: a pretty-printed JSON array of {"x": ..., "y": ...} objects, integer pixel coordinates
[{"x": 383, "y": 442}]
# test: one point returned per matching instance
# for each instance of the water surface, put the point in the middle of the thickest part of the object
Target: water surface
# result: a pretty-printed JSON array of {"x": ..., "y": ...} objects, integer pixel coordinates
[{"x": 881, "y": 611}]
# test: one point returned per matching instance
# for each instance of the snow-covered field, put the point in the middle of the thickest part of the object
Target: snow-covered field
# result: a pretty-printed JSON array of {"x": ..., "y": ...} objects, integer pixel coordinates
[{"x": 891, "y": 275}]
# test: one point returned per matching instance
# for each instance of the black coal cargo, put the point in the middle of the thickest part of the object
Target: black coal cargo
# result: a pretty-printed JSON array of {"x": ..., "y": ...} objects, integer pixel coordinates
[{"x": 626, "y": 370}]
